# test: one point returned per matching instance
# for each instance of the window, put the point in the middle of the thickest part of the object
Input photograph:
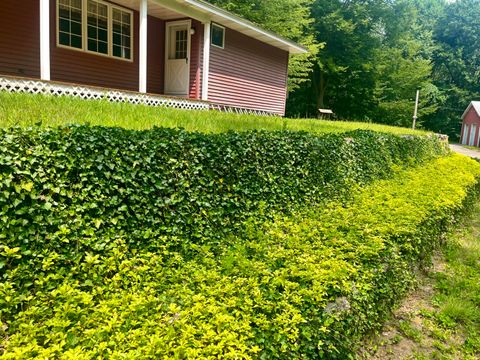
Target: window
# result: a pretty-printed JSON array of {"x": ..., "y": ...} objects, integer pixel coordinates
[
  {"x": 181, "y": 43},
  {"x": 95, "y": 26},
  {"x": 122, "y": 33},
  {"x": 70, "y": 23},
  {"x": 218, "y": 36}
]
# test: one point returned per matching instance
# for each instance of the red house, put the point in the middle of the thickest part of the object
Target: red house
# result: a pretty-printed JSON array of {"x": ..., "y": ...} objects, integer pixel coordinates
[
  {"x": 187, "y": 51},
  {"x": 470, "y": 134}
]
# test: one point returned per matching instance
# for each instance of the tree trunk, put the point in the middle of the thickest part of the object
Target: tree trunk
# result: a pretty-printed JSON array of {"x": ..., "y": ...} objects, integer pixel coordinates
[{"x": 321, "y": 91}]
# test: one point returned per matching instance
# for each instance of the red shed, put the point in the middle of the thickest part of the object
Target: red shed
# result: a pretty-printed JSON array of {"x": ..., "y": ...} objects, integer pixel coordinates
[
  {"x": 470, "y": 134},
  {"x": 181, "y": 48}
]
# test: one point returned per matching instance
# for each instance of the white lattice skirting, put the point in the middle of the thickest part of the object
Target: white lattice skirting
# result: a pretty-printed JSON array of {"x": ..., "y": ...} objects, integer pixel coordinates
[
  {"x": 240, "y": 110},
  {"x": 30, "y": 86}
]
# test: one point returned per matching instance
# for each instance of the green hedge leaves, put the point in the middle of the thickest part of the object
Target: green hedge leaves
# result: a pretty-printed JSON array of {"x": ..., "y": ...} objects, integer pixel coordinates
[{"x": 169, "y": 244}]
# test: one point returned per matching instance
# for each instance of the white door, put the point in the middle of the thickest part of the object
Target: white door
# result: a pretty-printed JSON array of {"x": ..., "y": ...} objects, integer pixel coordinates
[
  {"x": 473, "y": 132},
  {"x": 465, "y": 135},
  {"x": 177, "y": 62}
]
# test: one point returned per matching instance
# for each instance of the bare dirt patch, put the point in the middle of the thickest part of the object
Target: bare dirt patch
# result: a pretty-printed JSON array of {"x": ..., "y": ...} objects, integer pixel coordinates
[{"x": 412, "y": 333}]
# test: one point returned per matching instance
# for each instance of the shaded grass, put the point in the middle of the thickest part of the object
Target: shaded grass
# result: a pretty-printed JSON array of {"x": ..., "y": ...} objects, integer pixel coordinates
[
  {"x": 446, "y": 323},
  {"x": 458, "y": 289},
  {"x": 28, "y": 110}
]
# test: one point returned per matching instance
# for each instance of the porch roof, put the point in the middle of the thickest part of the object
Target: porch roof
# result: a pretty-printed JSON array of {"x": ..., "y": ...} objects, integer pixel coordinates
[{"x": 203, "y": 11}]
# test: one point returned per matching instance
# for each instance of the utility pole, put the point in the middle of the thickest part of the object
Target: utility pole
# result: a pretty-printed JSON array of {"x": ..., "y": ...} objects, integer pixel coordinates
[{"x": 415, "y": 117}]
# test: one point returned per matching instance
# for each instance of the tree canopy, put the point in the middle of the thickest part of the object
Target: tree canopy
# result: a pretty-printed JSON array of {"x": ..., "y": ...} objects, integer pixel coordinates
[{"x": 369, "y": 57}]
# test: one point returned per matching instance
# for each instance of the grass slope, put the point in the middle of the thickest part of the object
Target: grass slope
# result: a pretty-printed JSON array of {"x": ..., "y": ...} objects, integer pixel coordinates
[{"x": 27, "y": 110}]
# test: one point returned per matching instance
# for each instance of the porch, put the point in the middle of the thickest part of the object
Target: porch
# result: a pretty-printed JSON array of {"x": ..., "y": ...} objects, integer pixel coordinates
[
  {"x": 147, "y": 46},
  {"x": 173, "y": 49}
]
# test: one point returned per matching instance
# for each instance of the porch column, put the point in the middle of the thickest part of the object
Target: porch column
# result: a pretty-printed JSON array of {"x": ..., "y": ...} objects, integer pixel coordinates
[
  {"x": 142, "y": 82},
  {"x": 206, "y": 59},
  {"x": 45, "y": 39}
]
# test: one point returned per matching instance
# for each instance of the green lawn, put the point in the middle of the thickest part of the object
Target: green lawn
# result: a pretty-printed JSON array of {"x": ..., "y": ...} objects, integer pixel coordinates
[{"x": 27, "y": 110}]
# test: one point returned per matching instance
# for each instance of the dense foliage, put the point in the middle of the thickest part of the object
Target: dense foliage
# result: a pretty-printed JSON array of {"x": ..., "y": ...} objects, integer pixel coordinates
[
  {"x": 164, "y": 242},
  {"x": 168, "y": 244},
  {"x": 369, "y": 57},
  {"x": 87, "y": 181}
]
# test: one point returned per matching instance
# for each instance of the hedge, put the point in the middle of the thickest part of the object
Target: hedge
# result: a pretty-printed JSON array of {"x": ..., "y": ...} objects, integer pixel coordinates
[
  {"x": 168, "y": 244},
  {"x": 143, "y": 185}
]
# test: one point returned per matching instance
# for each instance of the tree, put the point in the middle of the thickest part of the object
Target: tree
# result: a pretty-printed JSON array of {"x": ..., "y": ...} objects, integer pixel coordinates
[
  {"x": 343, "y": 77},
  {"x": 456, "y": 63},
  {"x": 403, "y": 65}
]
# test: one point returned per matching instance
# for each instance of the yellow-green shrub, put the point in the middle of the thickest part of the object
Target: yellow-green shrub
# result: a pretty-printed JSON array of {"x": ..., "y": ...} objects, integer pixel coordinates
[{"x": 305, "y": 285}]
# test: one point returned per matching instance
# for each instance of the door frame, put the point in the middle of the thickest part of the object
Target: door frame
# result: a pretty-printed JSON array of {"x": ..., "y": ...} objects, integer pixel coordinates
[
  {"x": 168, "y": 25},
  {"x": 465, "y": 134}
]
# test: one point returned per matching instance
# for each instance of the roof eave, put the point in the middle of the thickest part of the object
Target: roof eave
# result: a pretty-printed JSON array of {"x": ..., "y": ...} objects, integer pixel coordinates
[
  {"x": 471, "y": 105},
  {"x": 282, "y": 43}
]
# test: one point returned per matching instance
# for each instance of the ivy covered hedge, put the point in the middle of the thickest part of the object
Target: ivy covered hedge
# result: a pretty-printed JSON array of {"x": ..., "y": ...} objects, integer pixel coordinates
[
  {"x": 168, "y": 244},
  {"x": 88, "y": 182}
]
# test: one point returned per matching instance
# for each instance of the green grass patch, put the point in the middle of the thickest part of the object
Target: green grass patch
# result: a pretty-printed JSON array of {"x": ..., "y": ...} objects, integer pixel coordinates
[
  {"x": 27, "y": 110},
  {"x": 457, "y": 295}
]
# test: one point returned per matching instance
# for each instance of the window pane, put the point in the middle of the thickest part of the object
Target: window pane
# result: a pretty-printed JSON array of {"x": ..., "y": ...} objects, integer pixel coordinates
[
  {"x": 218, "y": 36},
  {"x": 76, "y": 28},
  {"x": 64, "y": 12},
  {"x": 64, "y": 25},
  {"x": 76, "y": 42},
  {"x": 92, "y": 45},
  {"x": 103, "y": 35},
  {"x": 102, "y": 47},
  {"x": 117, "y": 39},
  {"x": 103, "y": 24},
  {"x": 77, "y": 4},
  {"x": 117, "y": 51},
  {"x": 76, "y": 15},
  {"x": 92, "y": 32},
  {"x": 64, "y": 39},
  {"x": 69, "y": 23}
]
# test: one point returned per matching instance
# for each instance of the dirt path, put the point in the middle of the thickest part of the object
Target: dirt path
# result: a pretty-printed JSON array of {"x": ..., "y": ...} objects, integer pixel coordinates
[
  {"x": 441, "y": 318},
  {"x": 465, "y": 151}
]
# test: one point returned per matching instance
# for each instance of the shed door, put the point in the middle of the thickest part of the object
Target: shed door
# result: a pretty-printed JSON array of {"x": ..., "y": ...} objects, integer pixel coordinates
[
  {"x": 473, "y": 132},
  {"x": 177, "y": 63},
  {"x": 465, "y": 135}
]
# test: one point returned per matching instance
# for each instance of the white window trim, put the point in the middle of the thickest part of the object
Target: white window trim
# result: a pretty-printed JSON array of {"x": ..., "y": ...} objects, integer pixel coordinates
[
  {"x": 213, "y": 25},
  {"x": 84, "y": 48}
]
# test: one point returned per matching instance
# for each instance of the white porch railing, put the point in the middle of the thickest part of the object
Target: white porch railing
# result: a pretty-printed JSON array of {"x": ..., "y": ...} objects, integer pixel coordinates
[{"x": 33, "y": 86}]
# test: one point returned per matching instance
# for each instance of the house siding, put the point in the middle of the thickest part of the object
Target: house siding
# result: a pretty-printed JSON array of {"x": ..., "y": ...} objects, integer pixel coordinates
[
  {"x": 471, "y": 118},
  {"x": 19, "y": 38},
  {"x": 155, "y": 55},
  {"x": 249, "y": 74}
]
